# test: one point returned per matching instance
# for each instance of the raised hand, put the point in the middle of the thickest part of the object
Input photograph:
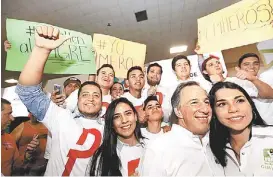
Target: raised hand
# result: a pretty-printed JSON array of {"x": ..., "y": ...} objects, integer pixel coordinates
[
  {"x": 57, "y": 98},
  {"x": 151, "y": 91},
  {"x": 7, "y": 45},
  {"x": 48, "y": 37},
  {"x": 241, "y": 74}
]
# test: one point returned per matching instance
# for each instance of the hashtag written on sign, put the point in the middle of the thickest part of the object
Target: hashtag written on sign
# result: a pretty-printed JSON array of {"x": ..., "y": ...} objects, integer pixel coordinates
[
  {"x": 102, "y": 44},
  {"x": 30, "y": 30}
]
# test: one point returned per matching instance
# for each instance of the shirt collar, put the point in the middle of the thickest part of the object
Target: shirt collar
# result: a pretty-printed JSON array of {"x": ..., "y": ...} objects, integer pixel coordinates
[
  {"x": 77, "y": 114},
  {"x": 120, "y": 144}
]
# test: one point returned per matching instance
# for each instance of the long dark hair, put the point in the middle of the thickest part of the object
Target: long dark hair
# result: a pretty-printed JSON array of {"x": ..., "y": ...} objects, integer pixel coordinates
[
  {"x": 219, "y": 134},
  {"x": 105, "y": 161}
]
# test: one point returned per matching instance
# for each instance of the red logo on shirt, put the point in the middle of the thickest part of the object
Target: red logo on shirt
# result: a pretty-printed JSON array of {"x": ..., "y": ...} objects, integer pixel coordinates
[
  {"x": 73, "y": 154},
  {"x": 132, "y": 165}
]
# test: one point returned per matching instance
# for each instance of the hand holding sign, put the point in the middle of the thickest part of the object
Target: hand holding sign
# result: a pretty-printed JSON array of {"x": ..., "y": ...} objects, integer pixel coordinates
[
  {"x": 48, "y": 38},
  {"x": 7, "y": 45}
]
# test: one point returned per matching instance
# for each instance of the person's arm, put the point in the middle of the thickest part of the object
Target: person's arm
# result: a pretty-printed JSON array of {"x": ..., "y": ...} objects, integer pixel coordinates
[
  {"x": 29, "y": 86},
  {"x": 17, "y": 132},
  {"x": 264, "y": 90}
]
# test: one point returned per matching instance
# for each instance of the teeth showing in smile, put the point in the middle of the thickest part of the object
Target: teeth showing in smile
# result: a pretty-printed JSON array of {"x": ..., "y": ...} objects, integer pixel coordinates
[
  {"x": 126, "y": 127},
  {"x": 236, "y": 118}
]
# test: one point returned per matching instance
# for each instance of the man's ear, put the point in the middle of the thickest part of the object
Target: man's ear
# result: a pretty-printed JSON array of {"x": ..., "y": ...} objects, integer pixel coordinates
[
  {"x": 205, "y": 72},
  {"x": 127, "y": 82},
  {"x": 178, "y": 113}
]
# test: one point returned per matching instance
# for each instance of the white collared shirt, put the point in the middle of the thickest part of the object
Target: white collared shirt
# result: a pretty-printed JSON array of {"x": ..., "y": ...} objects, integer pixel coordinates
[
  {"x": 150, "y": 136},
  {"x": 176, "y": 153},
  {"x": 256, "y": 156}
]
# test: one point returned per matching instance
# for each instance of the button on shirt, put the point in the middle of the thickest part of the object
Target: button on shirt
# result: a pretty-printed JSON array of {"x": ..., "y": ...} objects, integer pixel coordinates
[{"x": 176, "y": 153}]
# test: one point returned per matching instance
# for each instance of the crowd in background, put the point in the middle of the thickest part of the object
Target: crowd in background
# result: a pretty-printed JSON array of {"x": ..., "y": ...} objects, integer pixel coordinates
[{"x": 220, "y": 126}]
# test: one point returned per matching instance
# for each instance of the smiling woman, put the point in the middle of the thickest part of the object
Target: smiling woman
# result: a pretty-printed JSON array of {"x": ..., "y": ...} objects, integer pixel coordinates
[
  {"x": 238, "y": 144},
  {"x": 122, "y": 146}
]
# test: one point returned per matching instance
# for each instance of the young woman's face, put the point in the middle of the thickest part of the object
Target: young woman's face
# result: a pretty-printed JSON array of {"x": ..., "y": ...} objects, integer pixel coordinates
[
  {"x": 233, "y": 109},
  {"x": 124, "y": 121},
  {"x": 214, "y": 67}
]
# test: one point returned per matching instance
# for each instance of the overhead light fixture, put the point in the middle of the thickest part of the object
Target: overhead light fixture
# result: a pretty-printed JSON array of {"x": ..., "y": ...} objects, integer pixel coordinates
[
  {"x": 11, "y": 81},
  {"x": 178, "y": 49}
]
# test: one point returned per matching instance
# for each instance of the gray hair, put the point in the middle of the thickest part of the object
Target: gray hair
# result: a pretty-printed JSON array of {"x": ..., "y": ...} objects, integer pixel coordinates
[{"x": 175, "y": 100}]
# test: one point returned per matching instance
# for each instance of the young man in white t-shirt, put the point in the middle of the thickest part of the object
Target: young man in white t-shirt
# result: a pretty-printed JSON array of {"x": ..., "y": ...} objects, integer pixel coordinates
[
  {"x": 248, "y": 68},
  {"x": 154, "y": 115},
  {"x": 153, "y": 87},
  {"x": 135, "y": 80},
  {"x": 75, "y": 137}
]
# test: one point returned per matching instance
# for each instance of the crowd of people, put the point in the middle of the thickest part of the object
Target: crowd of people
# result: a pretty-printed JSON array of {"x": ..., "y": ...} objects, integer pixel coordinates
[{"x": 220, "y": 126}]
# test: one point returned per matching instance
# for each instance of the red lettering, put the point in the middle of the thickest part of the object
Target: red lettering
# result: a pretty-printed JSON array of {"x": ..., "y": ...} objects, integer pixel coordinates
[
  {"x": 160, "y": 97},
  {"x": 73, "y": 154}
]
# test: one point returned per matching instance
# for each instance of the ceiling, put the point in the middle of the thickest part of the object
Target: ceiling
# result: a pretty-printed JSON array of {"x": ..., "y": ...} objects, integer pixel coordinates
[{"x": 170, "y": 22}]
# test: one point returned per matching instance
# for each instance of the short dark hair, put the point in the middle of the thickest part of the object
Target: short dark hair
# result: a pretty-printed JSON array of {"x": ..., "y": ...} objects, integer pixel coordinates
[
  {"x": 132, "y": 69},
  {"x": 241, "y": 59},
  {"x": 105, "y": 66},
  {"x": 179, "y": 57},
  {"x": 114, "y": 84},
  {"x": 4, "y": 101},
  {"x": 154, "y": 65},
  {"x": 89, "y": 83},
  {"x": 148, "y": 99}
]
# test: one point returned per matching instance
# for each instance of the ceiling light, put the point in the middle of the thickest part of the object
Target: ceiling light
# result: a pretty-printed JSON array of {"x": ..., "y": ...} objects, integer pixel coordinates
[
  {"x": 11, "y": 81},
  {"x": 178, "y": 49}
]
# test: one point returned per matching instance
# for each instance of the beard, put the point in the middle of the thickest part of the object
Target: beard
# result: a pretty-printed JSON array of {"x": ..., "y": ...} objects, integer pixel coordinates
[{"x": 153, "y": 83}]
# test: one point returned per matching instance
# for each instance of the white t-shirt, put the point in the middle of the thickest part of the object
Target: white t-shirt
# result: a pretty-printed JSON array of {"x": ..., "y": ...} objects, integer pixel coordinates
[
  {"x": 248, "y": 86},
  {"x": 71, "y": 104},
  {"x": 176, "y": 153},
  {"x": 150, "y": 136},
  {"x": 256, "y": 156},
  {"x": 265, "y": 106},
  {"x": 74, "y": 140},
  {"x": 135, "y": 101},
  {"x": 129, "y": 157},
  {"x": 162, "y": 98}
]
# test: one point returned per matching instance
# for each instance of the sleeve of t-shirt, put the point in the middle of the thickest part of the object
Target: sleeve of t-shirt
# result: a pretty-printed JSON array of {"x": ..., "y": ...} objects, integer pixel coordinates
[
  {"x": 267, "y": 78},
  {"x": 72, "y": 100},
  {"x": 48, "y": 146},
  {"x": 151, "y": 164}
]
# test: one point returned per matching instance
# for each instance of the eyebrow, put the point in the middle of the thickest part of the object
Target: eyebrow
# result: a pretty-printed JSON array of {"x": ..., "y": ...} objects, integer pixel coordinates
[
  {"x": 235, "y": 98},
  {"x": 124, "y": 112}
]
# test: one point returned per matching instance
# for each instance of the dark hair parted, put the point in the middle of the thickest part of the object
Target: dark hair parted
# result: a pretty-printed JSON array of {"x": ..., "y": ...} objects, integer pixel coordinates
[
  {"x": 89, "y": 83},
  {"x": 179, "y": 57},
  {"x": 132, "y": 69},
  {"x": 175, "y": 100},
  {"x": 241, "y": 59},
  {"x": 4, "y": 101},
  {"x": 154, "y": 65},
  {"x": 105, "y": 161},
  {"x": 219, "y": 134},
  {"x": 105, "y": 66}
]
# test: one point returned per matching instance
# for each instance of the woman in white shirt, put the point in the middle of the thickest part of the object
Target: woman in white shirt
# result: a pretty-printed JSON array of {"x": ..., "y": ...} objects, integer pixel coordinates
[
  {"x": 122, "y": 145},
  {"x": 240, "y": 146}
]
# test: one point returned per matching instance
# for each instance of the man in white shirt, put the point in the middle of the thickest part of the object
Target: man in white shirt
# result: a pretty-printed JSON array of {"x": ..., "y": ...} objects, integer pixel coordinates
[
  {"x": 135, "y": 80},
  {"x": 75, "y": 137},
  {"x": 182, "y": 151},
  {"x": 248, "y": 68},
  {"x": 153, "y": 87}
]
